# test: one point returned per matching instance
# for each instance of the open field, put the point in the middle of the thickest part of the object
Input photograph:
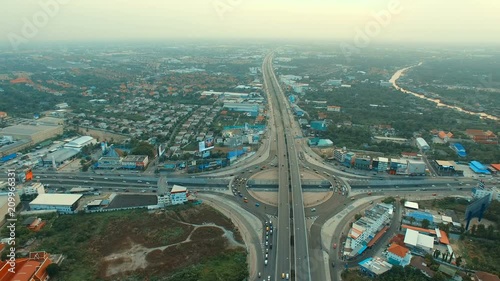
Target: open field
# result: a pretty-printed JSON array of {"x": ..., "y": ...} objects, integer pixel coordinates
[
  {"x": 184, "y": 243},
  {"x": 480, "y": 254}
]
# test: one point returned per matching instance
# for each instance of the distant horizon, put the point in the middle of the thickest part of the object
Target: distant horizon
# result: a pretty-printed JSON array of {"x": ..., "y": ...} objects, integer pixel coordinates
[
  {"x": 257, "y": 41},
  {"x": 365, "y": 22}
]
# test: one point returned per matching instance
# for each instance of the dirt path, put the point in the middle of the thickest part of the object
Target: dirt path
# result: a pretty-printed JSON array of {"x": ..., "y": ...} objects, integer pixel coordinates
[
  {"x": 249, "y": 227},
  {"x": 135, "y": 257}
]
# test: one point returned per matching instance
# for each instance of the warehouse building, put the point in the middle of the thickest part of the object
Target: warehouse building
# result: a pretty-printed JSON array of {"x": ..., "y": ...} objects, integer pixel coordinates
[
  {"x": 62, "y": 203},
  {"x": 81, "y": 142},
  {"x": 34, "y": 133},
  {"x": 51, "y": 121},
  {"x": 60, "y": 157},
  {"x": 14, "y": 147},
  {"x": 459, "y": 149},
  {"x": 478, "y": 168},
  {"x": 422, "y": 144},
  {"x": 135, "y": 162}
]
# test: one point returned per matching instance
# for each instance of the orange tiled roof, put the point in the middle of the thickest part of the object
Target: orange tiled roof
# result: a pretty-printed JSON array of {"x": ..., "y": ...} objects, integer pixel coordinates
[
  {"x": 444, "y": 238},
  {"x": 496, "y": 166},
  {"x": 419, "y": 229},
  {"x": 398, "y": 250},
  {"x": 377, "y": 236}
]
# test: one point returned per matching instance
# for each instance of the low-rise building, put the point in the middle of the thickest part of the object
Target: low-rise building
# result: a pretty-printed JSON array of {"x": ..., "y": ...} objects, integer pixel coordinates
[
  {"x": 383, "y": 164},
  {"x": 135, "y": 162},
  {"x": 481, "y": 191},
  {"x": 106, "y": 162},
  {"x": 366, "y": 228},
  {"x": 63, "y": 203},
  {"x": 34, "y": 133},
  {"x": 478, "y": 168},
  {"x": 339, "y": 155},
  {"x": 34, "y": 188},
  {"x": 398, "y": 255},
  {"x": 32, "y": 268},
  {"x": 374, "y": 266},
  {"x": 81, "y": 142},
  {"x": 419, "y": 242},
  {"x": 178, "y": 195},
  {"x": 333, "y": 108},
  {"x": 60, "y": 157}
]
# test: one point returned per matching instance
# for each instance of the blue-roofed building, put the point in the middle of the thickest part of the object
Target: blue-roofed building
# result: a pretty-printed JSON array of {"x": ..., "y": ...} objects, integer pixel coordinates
[
  {"x": 420, "y": 216},
  {"x": 478, "y": 168},
  {"x": 363, "y": 248},
  {"x": 459, "y": 149},
  {"x": 318, "y": 125}
]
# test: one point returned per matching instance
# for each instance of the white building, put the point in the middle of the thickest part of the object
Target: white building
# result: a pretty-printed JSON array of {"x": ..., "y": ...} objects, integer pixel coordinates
[
  {"x": 492, "y": 192},
  {"x": 35, "y": 188},
  {"x": 164, "y": 200},
  {"x": 339, "y": 155},
  {"x": 411, "y": 205},
  {"x": 416, "y": 167},
  {"x": 383, "y": 164},
  {"x": 135, "y": 162},
  {"x": 414, "y": 239},
  {"x": 422, "y": 144},
  {"x": 62, "y": 203},
  {"x": 365, "y": 229},
  {"x": 81, "y": 142},
  {"x": 178, "y": 195}
]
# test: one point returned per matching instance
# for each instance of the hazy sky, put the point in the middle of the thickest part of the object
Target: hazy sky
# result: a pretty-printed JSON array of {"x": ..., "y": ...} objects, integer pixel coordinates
[{"x": 421, "y": 20}]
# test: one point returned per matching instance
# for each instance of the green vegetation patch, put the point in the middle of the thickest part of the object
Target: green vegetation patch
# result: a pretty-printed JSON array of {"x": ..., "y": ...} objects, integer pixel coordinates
[{"x": 100, "y": 246}]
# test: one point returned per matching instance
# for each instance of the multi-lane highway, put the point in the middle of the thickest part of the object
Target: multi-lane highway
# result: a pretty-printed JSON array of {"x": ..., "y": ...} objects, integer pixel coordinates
[
  {"x": 283, "y": 247},
  {"x": 292, "y": 248}
]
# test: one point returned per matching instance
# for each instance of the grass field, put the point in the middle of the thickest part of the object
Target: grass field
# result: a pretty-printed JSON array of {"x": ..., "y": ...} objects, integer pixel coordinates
[
  {"x": 137, "y": 245},
  {"x": 481, "y": 254}
]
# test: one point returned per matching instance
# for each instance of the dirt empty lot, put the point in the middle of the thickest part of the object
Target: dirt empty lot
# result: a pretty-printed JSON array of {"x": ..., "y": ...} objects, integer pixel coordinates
[{"x": 161, "y": 243}]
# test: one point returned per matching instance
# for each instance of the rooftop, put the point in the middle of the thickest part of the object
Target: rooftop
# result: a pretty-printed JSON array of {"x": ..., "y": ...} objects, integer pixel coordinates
[
  {"x": 24, "y": 129},
  {"x": 416, "y": 239},
  {"x": 80, "y": 141},
  {"x": 61, "y": 154},
  {"x": 376, "y": 265},
  {"x": 178, "y": 188},
  {"x": 411, "y": 205},
  {"x": 56, "y": 199},
  {"x": 134, "y": 158},
  {"x": 398, "y": 250}
]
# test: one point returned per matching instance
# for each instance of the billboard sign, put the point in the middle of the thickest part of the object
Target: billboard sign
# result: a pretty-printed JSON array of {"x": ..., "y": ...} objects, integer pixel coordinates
[
  {"x": 206, "y": 144},
  {"x": 476, "y": 209}
]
